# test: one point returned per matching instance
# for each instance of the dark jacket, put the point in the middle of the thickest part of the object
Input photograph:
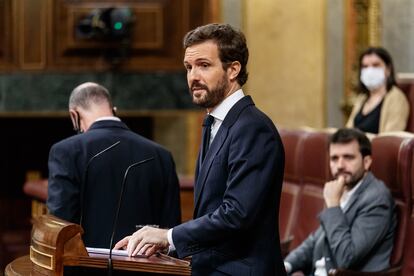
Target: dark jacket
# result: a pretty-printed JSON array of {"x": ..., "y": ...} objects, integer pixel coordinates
[
  {"x": 237, "y": 194},
  {"x": 151, "y": 193}
]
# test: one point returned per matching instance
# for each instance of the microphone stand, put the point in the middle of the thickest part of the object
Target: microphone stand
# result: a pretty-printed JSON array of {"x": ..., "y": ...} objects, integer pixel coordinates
[{"x": 121, "y": 194}]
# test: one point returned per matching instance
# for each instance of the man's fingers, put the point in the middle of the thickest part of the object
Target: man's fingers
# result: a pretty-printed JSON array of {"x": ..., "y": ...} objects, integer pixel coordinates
[
  {"x": 140, "y": 247},
  {"x": 122, "y": 243},
  {"x": 341, "y": 179},
  {"x": 147, "y": 249},
  {"x": 151, "y": 250},
  {"x": 142, "y": 241},
  {"x": 132, "y": 245}
]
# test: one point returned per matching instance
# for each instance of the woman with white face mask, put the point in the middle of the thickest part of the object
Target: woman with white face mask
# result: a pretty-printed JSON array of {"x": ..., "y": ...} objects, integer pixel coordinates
[{"x": 381, "y": 105}]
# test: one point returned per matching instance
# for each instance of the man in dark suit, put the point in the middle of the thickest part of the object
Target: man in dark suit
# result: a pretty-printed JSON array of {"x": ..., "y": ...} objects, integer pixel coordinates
[
  {"x": 238, "y": 178},
  {"x": 86, "y": 172},
  {"x": 357, "y": 227}
]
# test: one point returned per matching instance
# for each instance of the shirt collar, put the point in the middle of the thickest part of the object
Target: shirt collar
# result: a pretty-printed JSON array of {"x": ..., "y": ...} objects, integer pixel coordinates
[
  {"x": 348, "y": 194},
  {"x": 110, "y": 118},
  {"x": 220, "y": 111}
]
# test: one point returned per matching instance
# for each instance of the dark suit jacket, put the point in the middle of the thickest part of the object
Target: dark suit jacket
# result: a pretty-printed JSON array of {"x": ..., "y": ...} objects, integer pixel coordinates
[
  {"x": 151, "y": 191},
  {"x": 237, "y": 192},
  {"x": 359, "y": 238}
]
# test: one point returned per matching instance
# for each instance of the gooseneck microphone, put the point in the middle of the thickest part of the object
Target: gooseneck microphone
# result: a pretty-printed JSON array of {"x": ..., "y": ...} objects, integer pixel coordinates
[
  {"x": 85, "y": 178},
  {"x": 121, "y": 194}
]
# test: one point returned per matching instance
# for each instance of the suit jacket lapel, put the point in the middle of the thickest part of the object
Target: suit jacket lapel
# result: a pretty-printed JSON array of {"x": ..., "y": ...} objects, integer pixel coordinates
[{"x": 204, "y": 168}]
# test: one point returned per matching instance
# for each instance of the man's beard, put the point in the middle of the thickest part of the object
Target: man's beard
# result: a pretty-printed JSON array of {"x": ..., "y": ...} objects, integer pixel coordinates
[
  {"x": 354, "y": 178},
  {"x": 211, "y": 98}
]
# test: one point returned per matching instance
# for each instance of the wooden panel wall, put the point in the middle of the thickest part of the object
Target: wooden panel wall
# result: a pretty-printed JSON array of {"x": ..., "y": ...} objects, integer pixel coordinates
[
  {"x": 5, "y": 34},
  {"x": 30, "y": 25},
  {"x": 41, "y": 35}
]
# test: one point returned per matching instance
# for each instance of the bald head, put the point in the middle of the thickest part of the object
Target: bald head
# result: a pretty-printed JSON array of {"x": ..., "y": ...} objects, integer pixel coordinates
[
  {"x": 88, "y": 94},
  {"x": 87, "y": 103}
]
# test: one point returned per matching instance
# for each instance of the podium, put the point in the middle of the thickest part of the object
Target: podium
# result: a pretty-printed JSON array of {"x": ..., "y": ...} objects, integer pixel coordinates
[{"x": 56, "y": 244}]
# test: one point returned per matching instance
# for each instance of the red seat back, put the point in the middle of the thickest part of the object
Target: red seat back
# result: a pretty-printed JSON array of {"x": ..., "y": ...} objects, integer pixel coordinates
[
  {"x": 408, "y": 89},
  {"x": 314, "y": 165},
  {"x": 292, "y": 142},
  {"x": 392, "y": 164},
  {"x": 408, "y": 258}
]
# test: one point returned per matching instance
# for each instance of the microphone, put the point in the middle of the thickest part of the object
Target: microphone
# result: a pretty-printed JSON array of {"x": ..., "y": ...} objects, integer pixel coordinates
[
  {"x": 121, "y": 194},
  {"x": 85, "y": 175}
]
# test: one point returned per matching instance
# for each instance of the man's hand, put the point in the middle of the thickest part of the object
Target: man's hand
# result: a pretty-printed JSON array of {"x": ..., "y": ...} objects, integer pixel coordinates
[
  {"x": 145, "y": 241},
  {"x": 333, "y": 190}
]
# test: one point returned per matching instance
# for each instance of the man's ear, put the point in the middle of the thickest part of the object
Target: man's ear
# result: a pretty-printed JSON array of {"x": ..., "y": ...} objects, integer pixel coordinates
[
  {"x": 76, "y": 122},
  {"x": 233, "y": 70},
  {"x": 74, "y": 117},
  {"x": 367, "y": 162}
]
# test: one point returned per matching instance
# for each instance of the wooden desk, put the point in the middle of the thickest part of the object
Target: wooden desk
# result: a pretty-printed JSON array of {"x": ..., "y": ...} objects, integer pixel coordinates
[
  {"x": 57, "y": 244},
  {"x": 161, "y": 265},
  {"x": 20, "y": 266}
]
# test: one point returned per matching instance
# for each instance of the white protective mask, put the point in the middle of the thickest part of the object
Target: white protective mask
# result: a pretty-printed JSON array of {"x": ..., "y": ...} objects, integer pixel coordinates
[{"x": 373, "y": 77}]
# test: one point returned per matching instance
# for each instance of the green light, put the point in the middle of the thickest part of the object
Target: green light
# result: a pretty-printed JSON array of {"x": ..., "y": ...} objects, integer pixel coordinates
[{"x": 118, "y": 25}]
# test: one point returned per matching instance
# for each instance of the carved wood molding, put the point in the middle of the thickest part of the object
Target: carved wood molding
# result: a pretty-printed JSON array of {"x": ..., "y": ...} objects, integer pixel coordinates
[
  {"x": 155, "y": 43},
  {"x": 39, "y": 35},
  {"x": 5, "y": 33},
  {"x": 30, "y": 23}
]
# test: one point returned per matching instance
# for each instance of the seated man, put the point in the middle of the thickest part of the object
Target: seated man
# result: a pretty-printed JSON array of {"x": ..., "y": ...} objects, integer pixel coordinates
[
  {"x": 86, "y": 172},
  {"x": 357, "y": 226}
]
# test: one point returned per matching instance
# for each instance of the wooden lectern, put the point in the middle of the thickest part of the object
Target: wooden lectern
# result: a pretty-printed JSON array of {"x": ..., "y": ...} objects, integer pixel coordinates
[{"x": 56, "y": 244}]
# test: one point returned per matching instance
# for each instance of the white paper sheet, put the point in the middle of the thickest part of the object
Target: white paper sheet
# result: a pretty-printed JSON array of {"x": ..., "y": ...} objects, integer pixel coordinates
[{"x": 105, "y": 251}]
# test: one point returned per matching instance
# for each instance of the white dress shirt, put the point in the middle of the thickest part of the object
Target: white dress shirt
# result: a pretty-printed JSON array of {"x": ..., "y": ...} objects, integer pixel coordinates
[
  {"x": 111, "y": 118},
  {"x": 220, "y": 112}
]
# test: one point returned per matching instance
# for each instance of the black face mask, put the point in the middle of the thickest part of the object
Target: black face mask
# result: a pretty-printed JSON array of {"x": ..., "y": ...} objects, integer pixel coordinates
[{"x": 76, "y": 124}]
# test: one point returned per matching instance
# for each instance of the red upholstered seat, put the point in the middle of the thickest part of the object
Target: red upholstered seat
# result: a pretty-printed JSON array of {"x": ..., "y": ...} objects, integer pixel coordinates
[
  {"x": 288, "y": 209},
  {"x": 392, "y": 164},
  {"x": 408, "y": 89},
  {"x": 292, "y": 143},
  {"x": 306, "y": 171},
  {"x": 313, "y": 162},
  {"x": 408, "y": 254},
  {"x": 292, "y": 140}
]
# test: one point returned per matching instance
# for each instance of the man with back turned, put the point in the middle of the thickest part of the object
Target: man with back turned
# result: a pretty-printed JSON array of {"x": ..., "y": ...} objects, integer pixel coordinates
[{"x": 86, "y": 172}]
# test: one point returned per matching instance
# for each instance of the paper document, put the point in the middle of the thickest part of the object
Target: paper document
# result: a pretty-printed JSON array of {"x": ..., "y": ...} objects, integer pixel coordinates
[{"x": 105, "y": 251}]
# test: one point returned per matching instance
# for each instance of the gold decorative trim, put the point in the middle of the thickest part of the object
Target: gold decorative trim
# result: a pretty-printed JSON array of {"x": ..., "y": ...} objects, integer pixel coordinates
[
  {"x": 42, "y": 244},
  {"x": 374, "y": 26},
  {"x": 34, "y": 253}
]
